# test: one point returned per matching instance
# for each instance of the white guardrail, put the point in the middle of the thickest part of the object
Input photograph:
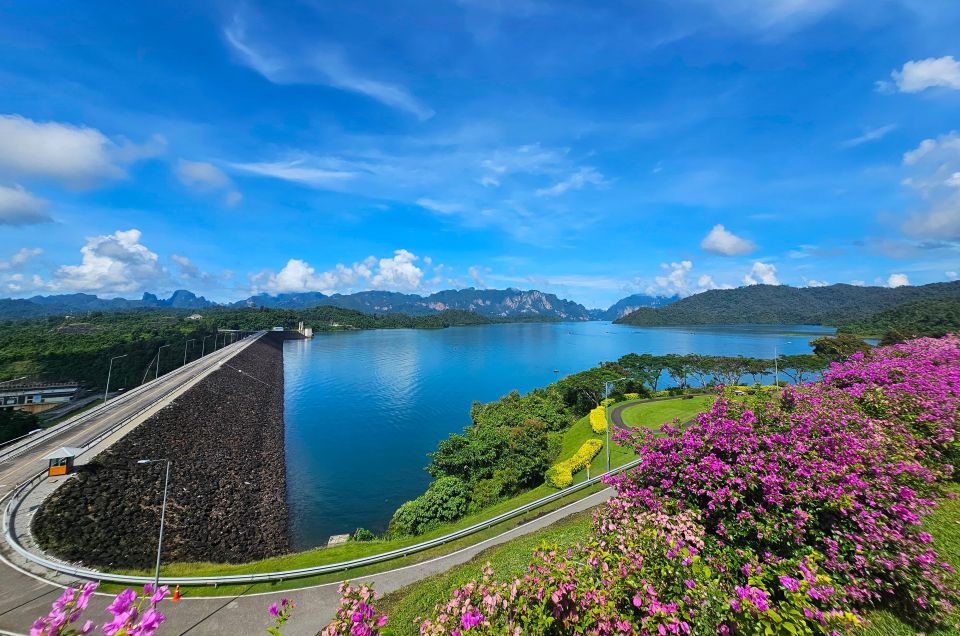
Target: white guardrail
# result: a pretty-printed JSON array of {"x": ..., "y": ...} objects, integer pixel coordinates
[
  {"x": 13, "y": 448},
  {"x": 95, "y": 575}
]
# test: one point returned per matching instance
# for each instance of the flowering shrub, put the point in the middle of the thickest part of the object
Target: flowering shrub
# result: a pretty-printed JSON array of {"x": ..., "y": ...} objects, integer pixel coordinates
[
  {"x": 281, "y": 614},
  {"x": 356, "y": 615},
  {"x": 132, "y": 614},
  {"x": 561, "y": 473},
  {"x": 598, "y": 419},
  {"x": 631, "y": 396},
  {"x": 774, "y": 515}
]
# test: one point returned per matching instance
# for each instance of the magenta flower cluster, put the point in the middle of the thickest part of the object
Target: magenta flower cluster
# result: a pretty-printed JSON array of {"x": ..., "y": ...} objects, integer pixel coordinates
[
  {"x": 133, "y": 614},
  {"x": 790, "y": 514},
  {"x": 356, "y": 614}
]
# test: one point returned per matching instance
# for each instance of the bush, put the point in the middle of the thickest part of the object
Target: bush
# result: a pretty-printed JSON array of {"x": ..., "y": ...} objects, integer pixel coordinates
[
  {"x": 561, "y": 473},
  {"x": 598, "y": 420},
  {"x": 15, "y": 424},
  {"x": 445, "y": 500},
  {"x": 362, "y": 534}
]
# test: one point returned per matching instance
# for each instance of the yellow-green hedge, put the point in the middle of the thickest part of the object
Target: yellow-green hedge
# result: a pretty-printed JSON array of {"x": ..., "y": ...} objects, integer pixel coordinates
[
  {"x": 631, "y": 396},
  {"x": 598, "y": 420},
  {"x": 561, "y": 473}
]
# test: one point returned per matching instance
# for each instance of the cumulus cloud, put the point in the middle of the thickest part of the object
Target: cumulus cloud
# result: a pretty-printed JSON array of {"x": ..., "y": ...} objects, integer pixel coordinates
[
  {"x": 398, "y": 273},
  {"x": 950, "y": 274},
  {"x": 75, "y": 155},
  {"x": 813, "y": 282},
  {"x": 19, "y": 207},
  {"x": 576, "y": 181},
  {"x": 20, "y": 257},
  {"x": 721, "y": 241},
  {"x": 676, "y": 280},
  {"x": 898, "y": 280},
  {"x": 112, "y": 263},
  {"x": 761, "y": 274},
  {"x": 919, "y": 75},
  {"x": 206, "y": 177}
]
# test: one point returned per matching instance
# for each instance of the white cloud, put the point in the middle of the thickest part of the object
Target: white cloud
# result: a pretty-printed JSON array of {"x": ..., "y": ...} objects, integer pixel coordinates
[
  {"x": 297, "y": 172},
  {"x": 933, "y": 72},
  {"x": 76, "y": 155},
  {"x": 327, "y": 67},
  {"x": 675, "y": 280},
  {"x": 398, "y": 273},
  {"x": 873, "y": 134},
  {"x": 720, "y": 241},
  {"x": 576, "y": 181},
  {"x": 189, "y": 270},
  {"x": 439, "y": 206},
  {"x": 233, "y": 198},
  {"x": 772, "y": 17},
  {"x": 21, "y": 256},
  {"x": 812, "y": 282},
  {"x": 114, "y": 263},
  {"x": 934, "y": 167},
  {"x": 477, "y": 277},
  {"x": 205, "y": 177},
  {"x": 489, "y": 182},
  {"x": 951, "y": 274},
  {"x": 200, "y": 175},
  {"x": 19, "y": 207},
  {"x": 858, "y": 283},
  {"x": 761, "y": 274},
  {"x": 898, "y": 280}
]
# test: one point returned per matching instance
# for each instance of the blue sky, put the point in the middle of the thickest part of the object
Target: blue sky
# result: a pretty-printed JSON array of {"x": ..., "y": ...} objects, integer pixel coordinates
[{"x": 588, "y": 149}]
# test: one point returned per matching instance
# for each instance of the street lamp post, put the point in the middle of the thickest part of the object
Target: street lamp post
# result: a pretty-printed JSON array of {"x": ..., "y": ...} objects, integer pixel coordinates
[
  {"x": 163, "y": 513},
  {"x": 606, "y": 395},
  {"x": 185, "y": 348},
  {"x": 157, "y": 374},
  {"x": 203, "y": 346},
  {"x": 106, "y": 391}
]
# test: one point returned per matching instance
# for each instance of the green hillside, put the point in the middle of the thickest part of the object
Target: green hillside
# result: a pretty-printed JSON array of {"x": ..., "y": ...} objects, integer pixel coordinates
[{"x": 780, "y": 304}]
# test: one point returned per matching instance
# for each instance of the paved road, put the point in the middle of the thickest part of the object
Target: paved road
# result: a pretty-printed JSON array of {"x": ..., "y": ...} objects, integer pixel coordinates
[
  {"x": 25, "y": 596},
  {"x": 239, "y": 615}
]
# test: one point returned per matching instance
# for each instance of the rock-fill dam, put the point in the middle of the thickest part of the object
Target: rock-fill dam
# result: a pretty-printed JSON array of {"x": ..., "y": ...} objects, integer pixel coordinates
[{"x": 227, "y": 494}]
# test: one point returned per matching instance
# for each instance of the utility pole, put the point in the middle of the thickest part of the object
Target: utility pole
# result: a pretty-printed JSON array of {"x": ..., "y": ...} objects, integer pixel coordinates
[
  {"x": 157, "y": 374},
  {"x": 106, "y": 391},
  {"x": 185, "y": 349},
  {"x": 163, "y": 514}
]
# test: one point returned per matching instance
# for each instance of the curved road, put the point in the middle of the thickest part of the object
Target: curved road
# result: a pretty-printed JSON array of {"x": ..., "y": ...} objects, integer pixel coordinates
[{"x": 24, "y": 596}]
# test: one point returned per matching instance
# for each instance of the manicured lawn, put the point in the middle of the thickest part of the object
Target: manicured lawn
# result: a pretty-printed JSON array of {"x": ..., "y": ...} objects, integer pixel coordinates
[
  {"x": 508, "y": 560},
  {"x": 656, "y": 414}
]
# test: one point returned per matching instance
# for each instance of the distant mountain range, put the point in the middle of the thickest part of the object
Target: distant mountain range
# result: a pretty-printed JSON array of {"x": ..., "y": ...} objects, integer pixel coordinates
[
  {"x": 493, "y": 303},
  {"x": 780, "y": 304}
]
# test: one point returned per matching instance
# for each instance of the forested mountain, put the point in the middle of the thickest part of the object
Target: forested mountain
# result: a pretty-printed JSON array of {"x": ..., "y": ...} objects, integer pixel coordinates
[
  {"x": 61, "y": 304},
  {"x": 631, "y": 303},
  {"x": 493, "y": 303},
  {"x": 917, "y": 318},
  {"x": 780, "y": 304}
]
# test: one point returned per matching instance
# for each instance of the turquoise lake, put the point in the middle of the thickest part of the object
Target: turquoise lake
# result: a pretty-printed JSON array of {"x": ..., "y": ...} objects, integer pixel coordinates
[{"x": 364, "y": 408}]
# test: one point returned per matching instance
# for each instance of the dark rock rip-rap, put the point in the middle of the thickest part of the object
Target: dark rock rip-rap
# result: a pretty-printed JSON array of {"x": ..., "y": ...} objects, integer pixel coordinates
[{"x": 227, "y": 495}]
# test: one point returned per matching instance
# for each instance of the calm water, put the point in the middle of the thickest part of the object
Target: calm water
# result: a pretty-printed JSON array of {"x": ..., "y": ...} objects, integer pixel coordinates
[{"x": 364, "y": 408}]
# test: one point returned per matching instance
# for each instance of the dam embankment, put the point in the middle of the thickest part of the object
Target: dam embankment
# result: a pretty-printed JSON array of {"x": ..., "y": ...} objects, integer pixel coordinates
[{"x": 227, "y": 494}]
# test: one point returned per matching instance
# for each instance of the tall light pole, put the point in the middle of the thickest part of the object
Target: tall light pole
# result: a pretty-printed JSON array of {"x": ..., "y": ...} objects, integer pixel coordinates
[
  {"x": 203, "y": 346},
  {"x": 606, "y": 395},
  {"x": 109, "y": 371},
  {"x": 776, "y": 368},
  {"x": 163, "y": 513},
  {"x": 185, "y": 348},
  {"x": 157, "y": 374}
]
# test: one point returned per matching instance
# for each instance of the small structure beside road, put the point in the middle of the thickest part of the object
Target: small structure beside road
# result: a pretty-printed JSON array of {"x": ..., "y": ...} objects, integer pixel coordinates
[{"x": 60, "y": 461}]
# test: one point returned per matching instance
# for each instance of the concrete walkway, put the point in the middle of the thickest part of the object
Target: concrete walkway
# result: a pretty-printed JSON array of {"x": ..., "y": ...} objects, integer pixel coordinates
[{"x": 25, "y": 597}]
